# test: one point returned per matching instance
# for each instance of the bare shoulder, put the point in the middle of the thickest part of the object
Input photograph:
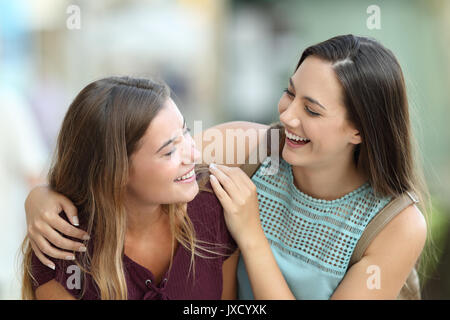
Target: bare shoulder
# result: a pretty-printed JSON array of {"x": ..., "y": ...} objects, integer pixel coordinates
[
  {"x": 407, "y": 230},
  {"x": 393, "y": 252},
  {"x": 52, "y": 290}
]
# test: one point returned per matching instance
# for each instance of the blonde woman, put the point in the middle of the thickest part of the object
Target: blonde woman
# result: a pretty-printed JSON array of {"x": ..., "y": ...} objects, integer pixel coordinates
[{"x": 126, "y": 159}]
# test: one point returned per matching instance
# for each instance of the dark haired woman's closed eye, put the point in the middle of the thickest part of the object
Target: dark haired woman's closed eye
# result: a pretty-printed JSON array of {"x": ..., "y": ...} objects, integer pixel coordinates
[
  {"x": 289, "y": 93},
  {"x": 312, "y": 113}
]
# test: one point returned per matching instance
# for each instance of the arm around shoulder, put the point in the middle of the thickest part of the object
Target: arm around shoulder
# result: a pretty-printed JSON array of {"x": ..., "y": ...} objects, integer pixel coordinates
[{"x": 215, "y": 142}]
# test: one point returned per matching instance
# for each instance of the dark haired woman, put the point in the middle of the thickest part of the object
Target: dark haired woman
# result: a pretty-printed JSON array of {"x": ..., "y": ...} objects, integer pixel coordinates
[
  {"x": 126, "y": 159},
  {"x": 346, "y": 152}
]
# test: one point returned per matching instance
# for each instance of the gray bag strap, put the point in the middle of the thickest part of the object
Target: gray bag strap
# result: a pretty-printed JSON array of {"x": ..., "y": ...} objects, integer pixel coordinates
[{"x": 380, "y": 221}]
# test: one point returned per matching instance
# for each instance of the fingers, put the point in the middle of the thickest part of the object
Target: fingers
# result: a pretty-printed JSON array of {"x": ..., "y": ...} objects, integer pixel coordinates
[
  {"x": 68, "y": 230},
  {"x": 219, "y": 191},
  {"x": 60, "y": 241},
  {"x": 41, "y": 257},
  {"x": 44, "y": 246},
  {"x": 70, "y": 210},
  {"x": 240, "y": 179},
  {"x": 40, "y": 232},
  {"x": 225, "y": 179}
]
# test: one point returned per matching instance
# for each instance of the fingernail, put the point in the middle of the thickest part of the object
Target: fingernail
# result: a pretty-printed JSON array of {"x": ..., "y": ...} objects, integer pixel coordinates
[
  {"x": 86, "y": 237},
  {"x": 70, "y": 258},
  {"x": 212, "y": 166},
  {"x": 51, "y": 266},
  {"x": 75, "y": 221},
  {"x": 82, "y": 249}
]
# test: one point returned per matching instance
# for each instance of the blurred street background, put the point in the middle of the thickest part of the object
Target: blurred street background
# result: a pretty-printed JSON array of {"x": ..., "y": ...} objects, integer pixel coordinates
[{"x": 225, "y": 60}]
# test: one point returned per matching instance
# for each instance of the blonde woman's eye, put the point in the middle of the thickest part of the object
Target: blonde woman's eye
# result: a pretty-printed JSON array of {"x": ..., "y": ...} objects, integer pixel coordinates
[{"x": 170, "y": 153}]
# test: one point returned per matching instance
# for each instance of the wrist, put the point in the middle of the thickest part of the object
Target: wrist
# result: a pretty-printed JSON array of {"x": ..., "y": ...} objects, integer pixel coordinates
[
  {"x": 36, "y": 192},
  {"x": 253, "y": 241}
]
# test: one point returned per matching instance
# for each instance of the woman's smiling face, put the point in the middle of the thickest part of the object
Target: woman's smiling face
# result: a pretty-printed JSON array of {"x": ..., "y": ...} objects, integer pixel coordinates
[
  {"x": 161, "y": 170},
  {"x": 312, "y": 108}
]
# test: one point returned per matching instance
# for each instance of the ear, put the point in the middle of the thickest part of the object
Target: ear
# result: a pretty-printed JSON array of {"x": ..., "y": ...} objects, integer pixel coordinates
[{"x": 355, "y": 137}]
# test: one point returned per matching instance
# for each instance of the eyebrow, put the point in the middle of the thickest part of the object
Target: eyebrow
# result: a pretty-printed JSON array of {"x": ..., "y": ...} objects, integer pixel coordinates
[
  {"x": 170, "y": 140},
  {"x": 312, "y": 100}
]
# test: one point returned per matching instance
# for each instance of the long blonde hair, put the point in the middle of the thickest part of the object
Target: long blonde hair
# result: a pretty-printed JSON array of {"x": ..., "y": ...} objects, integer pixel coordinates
[{"x": 100, "y": 131}]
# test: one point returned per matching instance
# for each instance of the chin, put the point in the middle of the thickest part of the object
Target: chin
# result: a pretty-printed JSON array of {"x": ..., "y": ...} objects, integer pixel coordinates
[
  {"x": 190, "y": 192},
  {"x": 288, "y": 156},
  {"x": 291, "y": 158}
]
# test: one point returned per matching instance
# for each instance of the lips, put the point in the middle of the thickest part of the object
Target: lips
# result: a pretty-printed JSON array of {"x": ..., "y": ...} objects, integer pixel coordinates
[
  {"x": 292, "y": 136},
  {"x": 186, "y": 176},
  {"x": 295, "y": 141}
]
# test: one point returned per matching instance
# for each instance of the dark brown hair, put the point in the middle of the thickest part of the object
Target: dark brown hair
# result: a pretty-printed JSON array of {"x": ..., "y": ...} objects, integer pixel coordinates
[{"x": 374, "y": 94}]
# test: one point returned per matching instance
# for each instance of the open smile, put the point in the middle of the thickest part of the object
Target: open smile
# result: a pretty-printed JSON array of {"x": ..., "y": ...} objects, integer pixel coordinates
[
  {"x": 295, "y": 141},
  {"x": 187, "y": 177}
]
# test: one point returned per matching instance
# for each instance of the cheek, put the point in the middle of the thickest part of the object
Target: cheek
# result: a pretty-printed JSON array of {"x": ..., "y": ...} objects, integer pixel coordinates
[
  {"x": 165, "y": 172},
  {"x": 313, "y": 129},
  {"x": 329, "y": 137},
  {"x": 151, "y": 181},
  {"x": 319, "y": 132}
]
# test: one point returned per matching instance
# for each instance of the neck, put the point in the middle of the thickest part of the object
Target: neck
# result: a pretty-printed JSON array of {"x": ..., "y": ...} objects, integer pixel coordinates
[
  {"x": 144, "y": 219},
  {"x": 329, "y": 182}
]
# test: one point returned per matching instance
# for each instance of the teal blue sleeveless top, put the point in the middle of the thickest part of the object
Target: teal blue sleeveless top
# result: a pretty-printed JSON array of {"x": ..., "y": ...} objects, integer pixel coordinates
[{"x": 312, "y": 239}]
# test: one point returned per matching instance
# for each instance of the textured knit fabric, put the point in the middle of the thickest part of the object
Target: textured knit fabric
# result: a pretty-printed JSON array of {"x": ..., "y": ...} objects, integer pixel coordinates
[
  {"x": 312, "y": 239},
  {"x": 207, "y": 217}
]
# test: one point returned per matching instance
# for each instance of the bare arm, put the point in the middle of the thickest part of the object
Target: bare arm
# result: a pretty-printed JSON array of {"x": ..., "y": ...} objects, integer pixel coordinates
[
  {"x": 53, "y": 290},
  {"x": 237, "y": 193},
  {"x": 42, "y": 208},
  {"x": 259, "y": 254},
  {"x": 216, "y": 141},
  {"x": 390, "y": 257},
  {"x": 229, "y": 267}
]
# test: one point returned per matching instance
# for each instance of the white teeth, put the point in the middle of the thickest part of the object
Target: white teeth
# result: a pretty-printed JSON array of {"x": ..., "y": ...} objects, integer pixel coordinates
[
  {"x": 294, "y": 137},
  {"x": 186, "y": 176}
]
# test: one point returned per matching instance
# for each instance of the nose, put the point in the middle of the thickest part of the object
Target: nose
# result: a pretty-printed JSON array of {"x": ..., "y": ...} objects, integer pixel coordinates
[
  {"x": 190, "y": 153},
  {"x": 289, "y": 118}
]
